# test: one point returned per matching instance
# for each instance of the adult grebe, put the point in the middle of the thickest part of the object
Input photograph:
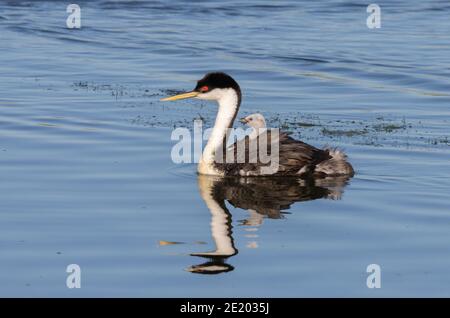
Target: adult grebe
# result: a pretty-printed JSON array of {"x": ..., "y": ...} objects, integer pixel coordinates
[{"x": 295, "y": 158}]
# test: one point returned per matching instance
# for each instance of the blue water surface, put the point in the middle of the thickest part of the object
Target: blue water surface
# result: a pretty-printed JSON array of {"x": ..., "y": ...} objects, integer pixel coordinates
[{"x": 86, "y": 175}]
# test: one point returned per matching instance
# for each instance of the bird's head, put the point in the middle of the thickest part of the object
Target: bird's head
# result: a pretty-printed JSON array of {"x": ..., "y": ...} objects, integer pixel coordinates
[
  {"x": 254, "y": 121},
  {"x": 213, "y": 86}
]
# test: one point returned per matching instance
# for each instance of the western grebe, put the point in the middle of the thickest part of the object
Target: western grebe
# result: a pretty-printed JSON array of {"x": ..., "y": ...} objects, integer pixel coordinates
[
  {"x": 295, "y": 158},
  {"x": 255, "y": 121}
]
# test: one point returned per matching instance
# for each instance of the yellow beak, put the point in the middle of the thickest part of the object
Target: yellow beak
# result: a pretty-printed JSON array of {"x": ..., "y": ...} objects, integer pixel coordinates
[{"x": 180, "y": 96}]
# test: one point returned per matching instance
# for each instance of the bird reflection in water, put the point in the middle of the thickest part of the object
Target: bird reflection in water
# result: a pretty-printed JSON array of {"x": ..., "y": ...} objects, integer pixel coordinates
[{"x": 262, "y": 197}]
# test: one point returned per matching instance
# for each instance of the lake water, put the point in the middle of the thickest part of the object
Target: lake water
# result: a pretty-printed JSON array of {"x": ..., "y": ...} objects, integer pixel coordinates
[{"x": 86, "y": 175}]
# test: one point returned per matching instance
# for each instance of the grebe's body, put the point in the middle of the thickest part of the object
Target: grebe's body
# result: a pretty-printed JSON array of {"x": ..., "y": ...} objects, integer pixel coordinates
[
  {"x": 336, "y": 165},
  {"x": 294, "y": 157}
]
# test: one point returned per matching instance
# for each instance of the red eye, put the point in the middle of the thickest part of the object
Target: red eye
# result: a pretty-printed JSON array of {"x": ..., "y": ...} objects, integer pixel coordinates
[{"x": 204, "y": 89}]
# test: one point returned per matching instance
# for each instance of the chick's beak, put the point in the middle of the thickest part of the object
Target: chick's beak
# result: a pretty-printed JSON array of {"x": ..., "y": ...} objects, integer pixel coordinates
[{"x": 243, "y": 120}]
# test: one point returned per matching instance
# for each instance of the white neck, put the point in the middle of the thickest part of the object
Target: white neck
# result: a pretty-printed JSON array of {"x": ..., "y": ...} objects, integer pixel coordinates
[
  {"x": 220, "y": 226},
  {"x": 228, "y": 106},
  {"x": 255, "y": 132}
]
